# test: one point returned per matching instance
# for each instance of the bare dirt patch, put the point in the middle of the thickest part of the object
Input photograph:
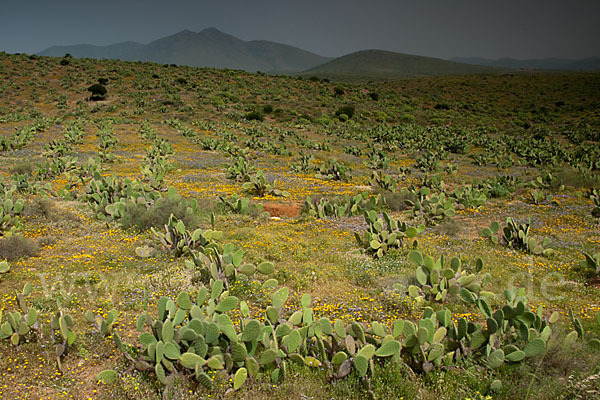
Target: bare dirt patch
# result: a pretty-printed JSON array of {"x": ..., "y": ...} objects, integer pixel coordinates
[{"x": 289, "y": 210}]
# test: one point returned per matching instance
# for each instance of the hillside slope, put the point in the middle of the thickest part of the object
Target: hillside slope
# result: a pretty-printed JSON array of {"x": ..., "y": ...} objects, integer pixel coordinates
[
  {"x": 585, "y": 64},
  {"x": 388, "y": 65}
]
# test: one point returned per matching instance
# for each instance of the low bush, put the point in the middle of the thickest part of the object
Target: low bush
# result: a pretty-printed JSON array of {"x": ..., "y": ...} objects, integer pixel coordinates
[
  {"x": 397, "y": 201},
  {"x": 16, "y": 247},
  {"x": 142, "y": 218},
  {"x": 338, "y": 91},
  {"x": 254, "y": 116},
  {"x": 22, "y": 168},
  {"x": 348, "y": 110},
  {"x": 98, "y": 91},
  {"x": 449, "y": 228},
  {"x": 40, "y": 207}
]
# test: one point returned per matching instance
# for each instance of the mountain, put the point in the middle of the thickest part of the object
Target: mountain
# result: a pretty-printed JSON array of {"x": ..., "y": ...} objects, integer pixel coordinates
[
  {"x": 208, "y": 48},
  {"x": 387, "y": 65},
  {"x": 585, "y": 64},
  {"x": 90, "y": 51}
]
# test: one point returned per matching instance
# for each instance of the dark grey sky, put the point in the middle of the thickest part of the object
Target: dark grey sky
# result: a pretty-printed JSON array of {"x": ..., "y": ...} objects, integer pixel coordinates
[{"x": 438, "y": 28}]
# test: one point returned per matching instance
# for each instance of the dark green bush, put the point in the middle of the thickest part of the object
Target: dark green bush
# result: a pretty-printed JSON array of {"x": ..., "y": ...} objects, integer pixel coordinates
[
  {"x": 98, "y": 91},
  {"x": 103, "y": 81},
  {"x": 338, "y": 91},
  {"x": 268, "y": 109},
  {"x": 254, "y": 116},
  {"x": 348, "y": 110},
  {"x": 499, "y": 191}
]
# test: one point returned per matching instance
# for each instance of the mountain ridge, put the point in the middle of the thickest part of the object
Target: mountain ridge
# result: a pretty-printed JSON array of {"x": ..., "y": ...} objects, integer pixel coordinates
[
  {"x": 208, "y": 48},
  {"x": 213, "y": 48},
  {"x": 549, "y": 63}
]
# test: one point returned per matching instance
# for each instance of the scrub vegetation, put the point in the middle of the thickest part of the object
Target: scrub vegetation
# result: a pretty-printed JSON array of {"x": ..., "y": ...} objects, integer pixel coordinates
[{"x": 203, "y": 233}]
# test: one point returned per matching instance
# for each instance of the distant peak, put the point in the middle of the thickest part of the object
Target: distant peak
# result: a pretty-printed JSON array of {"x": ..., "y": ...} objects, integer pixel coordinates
[
  {"x": 212, "y": 30},
  {"x": 185, "y": 32}
]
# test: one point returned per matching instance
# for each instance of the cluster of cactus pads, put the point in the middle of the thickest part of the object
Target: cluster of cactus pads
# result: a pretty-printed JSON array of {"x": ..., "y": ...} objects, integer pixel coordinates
[
  {"x": 382, "y": 181},
  {"x": 156, "y": 163},
  {"x": 4, "y": 267},
  {"x": 594, "y": 195},
  {"x": 20, "y": 325},
  {"x": 433, "y": 208},
  {"x": 209, "y": 258},
  {"x": 343, "y": 206},
  {"x": 19, "y": 139},
  {"x": 517, "y": 236},
  {"x": 385, "y": 233},
  {"x": 259, "y": 186},
  {"x": 226, "y": 263},
  {"x": 436, "y": 281},
  {"x": 25, "y": 325},
  {"x": 199, "y": 339},
  {"x": 108, "y": 195},
  {"x": 10, "y": 208},
  {"x": 333, "y": 170},
  {"x": 210, "y": 332},
  {"x": 241, "y": 205},
  {"x": 591, "y": 264},
  {"x": 181, "y": 241},
  {"x": 240, "y": 169},
  {"x": 467, "y": 196}
]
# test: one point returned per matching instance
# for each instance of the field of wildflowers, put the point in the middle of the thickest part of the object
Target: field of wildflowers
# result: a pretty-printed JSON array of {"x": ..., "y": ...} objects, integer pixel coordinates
[{"x": 523, "y": 146}]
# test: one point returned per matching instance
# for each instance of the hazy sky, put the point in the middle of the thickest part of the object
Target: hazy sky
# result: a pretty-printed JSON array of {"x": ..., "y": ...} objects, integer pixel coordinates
[{"x": 438, "y": 28}]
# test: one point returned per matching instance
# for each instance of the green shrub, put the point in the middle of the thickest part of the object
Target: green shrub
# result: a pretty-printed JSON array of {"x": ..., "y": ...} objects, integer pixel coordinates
[
  {"x": 15, "y": 247},
  {"x": 22, "y": 168},
  {"x": 40, "y": 207},
  {"x": 254, "y": 116},
  {"x": 397, "y": 201},
  {"x": 268, "y": 109},
  {"x": 449, "y": 228},
  {"x": 347, "y": 110},
  {"x": 98, "y": 91},
  {"x": 142, "y": 218},
  {"x": 338, "y": 91}
]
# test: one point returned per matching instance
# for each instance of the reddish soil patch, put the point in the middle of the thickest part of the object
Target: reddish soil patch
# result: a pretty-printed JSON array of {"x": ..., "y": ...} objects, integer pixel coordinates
[{"x": 290, "y": 210}]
